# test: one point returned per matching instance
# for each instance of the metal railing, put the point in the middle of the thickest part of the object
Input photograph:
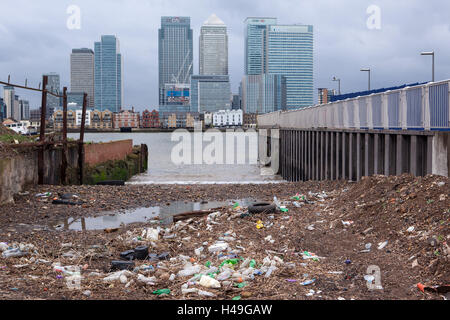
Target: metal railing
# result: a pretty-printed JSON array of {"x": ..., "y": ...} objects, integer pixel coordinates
[{"x": 422, "y": 107}]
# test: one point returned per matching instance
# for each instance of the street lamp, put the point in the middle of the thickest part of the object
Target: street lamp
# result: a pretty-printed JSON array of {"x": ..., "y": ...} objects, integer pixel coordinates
[
  {"x": 339, "y": 84},
  {"x": 367, "y": 70},
  {"x": 432, "y": 55}
]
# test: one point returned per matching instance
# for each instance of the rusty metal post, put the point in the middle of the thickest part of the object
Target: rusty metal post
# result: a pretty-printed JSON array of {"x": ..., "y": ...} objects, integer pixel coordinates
[
  {"x": 81, "y": 141},
  {"x": 64, "y": 138},
  {"x": 42, "y": 130}
]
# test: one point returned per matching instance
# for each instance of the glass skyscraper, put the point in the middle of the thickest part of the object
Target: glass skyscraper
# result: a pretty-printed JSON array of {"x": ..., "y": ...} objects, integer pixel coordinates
[
  {"x": 53, "y": 85},
  {"x": 254, "y": 38},
  {"x": 289, "y": 52},
  {"x": 82, "y": 73},
  {"x": 175, "y": 53},
  {"x": 263, "y": 93},
  {"x": 210, "y": 93},
  {"x": 213, "y": 45},
  {"x": 108, "y": 74}
]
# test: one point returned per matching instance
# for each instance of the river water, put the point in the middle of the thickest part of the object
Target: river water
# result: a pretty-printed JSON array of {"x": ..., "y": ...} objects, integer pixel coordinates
[{"x": 165, "y": 168}]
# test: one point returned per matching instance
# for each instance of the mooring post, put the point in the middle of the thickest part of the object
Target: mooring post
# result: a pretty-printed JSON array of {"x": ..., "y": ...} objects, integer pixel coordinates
[
  {"x": 42, "y": 131},
  {"x": 81, "y": 141},
  {"x": 64, "y": 138}
]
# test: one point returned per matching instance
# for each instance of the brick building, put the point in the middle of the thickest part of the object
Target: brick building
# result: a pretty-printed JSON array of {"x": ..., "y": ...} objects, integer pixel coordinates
[{"x": 150, "y": 119}]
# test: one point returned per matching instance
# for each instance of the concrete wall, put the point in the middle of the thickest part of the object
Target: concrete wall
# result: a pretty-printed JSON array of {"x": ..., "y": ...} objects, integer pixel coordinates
[
  {"x": 16, "y": 173},
  {"x": 21, "y": 168},
  {"x": 102, "y": 152}
]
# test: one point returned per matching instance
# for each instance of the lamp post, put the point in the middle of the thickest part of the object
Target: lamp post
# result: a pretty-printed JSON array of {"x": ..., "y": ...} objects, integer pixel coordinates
[
  {"x": 432, "y": 55},
  {"x": 367, "y": 70},
  {"x": 339, "y": 84}
]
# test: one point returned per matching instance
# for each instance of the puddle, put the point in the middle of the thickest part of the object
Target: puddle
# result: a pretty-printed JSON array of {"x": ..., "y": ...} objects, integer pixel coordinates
[{"x": 115, "y": 219}]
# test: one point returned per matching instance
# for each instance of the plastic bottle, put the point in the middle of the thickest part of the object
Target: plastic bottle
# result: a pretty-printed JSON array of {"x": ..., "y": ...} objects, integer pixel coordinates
[
  {"x": 189, "y": 270},
  {"x": 224, "y": 275},
  {"x": 13, "y": 253},
  {"x": 209, "y": 282},
  {"x": 276, "y": 202}
]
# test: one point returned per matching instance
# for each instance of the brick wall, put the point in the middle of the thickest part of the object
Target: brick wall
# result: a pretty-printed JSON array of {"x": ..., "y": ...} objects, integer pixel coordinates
[{"x": 102, "y": 152}]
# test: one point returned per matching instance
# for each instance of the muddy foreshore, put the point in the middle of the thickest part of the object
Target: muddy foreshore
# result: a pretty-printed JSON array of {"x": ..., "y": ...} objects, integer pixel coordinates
[{"x": 336, "y": 222}]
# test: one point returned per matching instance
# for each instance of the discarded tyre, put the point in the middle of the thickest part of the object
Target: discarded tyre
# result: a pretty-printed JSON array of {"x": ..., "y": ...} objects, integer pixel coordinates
[
  {"x": 67, "y": 202},
  {"x": 141, "y": 253},
  {"x": 111, "y": 183},
  {"x": 127, "y": 255},
  {"x": 122, "y": 265},
  {"x": 262, "y": 207}
]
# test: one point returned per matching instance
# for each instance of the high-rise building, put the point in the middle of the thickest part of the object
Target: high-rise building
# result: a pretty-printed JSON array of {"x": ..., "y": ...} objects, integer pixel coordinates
[
  {"x": 108, "y": 74},
  {"x": 16, "y": 112},
  {"x": 82, "y": 73},
  {"x": 213, "y": 47},
  {"x": 54, "y": 86},
  {"x": 210, "y": 93},
  {"x": 263, "y": 93},
  {"x": 24, "y": 109},
  {"x": 175, "y": 44},
  {"x": 289, "y": 52},
  {"x": 2, "y": 110},
  {"x": 254, "y": 41},
  {"x": 236, "y": 102},
  {"x": 8, "y": 99}
]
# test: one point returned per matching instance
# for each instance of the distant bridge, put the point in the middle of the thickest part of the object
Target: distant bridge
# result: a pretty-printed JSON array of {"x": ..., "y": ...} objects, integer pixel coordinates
[{"x": 393, "y": 132}]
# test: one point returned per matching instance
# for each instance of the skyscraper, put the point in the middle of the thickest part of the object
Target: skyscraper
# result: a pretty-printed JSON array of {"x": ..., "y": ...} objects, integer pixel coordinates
[
  {"x": 288, "y": 51},
  {"x": 175, "y": 44},
  {"x": 210, "y": 93},
  {"x": 53, "y": 85},
  {"x": 263, "y": 93},
  {"x": 254, "y": 40},
  {"x": 108, "y": 74},
  {"x": 8, "y": 96},
  {"x": 213, "y": 47},
  {"x": 24, "y": 109},
  {"x": 82, "y": 73}
]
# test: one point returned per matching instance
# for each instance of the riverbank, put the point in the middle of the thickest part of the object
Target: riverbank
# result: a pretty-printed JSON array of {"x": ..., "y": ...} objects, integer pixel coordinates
[{"x": 318, "y": 249}]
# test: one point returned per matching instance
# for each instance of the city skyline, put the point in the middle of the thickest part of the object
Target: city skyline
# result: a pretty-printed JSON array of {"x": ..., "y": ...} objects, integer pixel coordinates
[{"x": 343, "y": 44}]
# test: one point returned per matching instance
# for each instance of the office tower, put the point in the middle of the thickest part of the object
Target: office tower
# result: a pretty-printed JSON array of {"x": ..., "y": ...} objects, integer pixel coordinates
[
  {"x": 16, "y": 109},
  {"x": 263, "y": 93},
  {"x": 54, "y": 86},
  {"x": 254, "y": 43},
  {"x": 8, "y": 99},
  {"x": 213, "y": 45},
  {"x": 235, "y": 102},
  {"x": 82, "y": 73},
  {"x": 175, "y": 45},
  {"x": 288, "y": 51},
  {"x": 108, "y": 74},
  {"x": 210, "y": 93},
  {"x": 2, "y": 110},
  {"x": 24, "y": 109}
]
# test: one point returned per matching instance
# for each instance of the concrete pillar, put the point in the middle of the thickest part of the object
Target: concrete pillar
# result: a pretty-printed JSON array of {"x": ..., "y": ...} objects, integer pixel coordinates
[
  {"x": 322, "y": 155},
  {"x": 413, "y": 156},
  {"x": 441, "y": 154},
  {"x": 358, "y": 157},
  {"x": 399, "y": 153},
  {"x": 327, "y": 155},
  {"x": 368, "y": 155},
  {"x": 344, "y": 155},
  {"x": 338, "y": 155}
]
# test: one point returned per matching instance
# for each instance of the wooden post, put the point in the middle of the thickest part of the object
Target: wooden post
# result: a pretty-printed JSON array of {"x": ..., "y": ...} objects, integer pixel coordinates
[
  {"x": 81, "y": 141},
  {"x": 42, "y": 130},
  {"x": 64, "y": 138}
]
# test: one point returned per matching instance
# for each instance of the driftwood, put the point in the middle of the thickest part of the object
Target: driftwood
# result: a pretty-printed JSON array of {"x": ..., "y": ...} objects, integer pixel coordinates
[{"x": 193, "y": 214}]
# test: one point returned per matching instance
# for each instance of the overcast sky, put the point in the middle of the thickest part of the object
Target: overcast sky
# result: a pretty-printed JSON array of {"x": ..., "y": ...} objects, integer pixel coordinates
[{"x": 34, "y": 39}]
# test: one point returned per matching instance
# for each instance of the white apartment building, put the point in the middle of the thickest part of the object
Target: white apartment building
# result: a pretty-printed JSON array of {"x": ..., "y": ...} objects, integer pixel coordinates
[{"x": 228, "y": 118}]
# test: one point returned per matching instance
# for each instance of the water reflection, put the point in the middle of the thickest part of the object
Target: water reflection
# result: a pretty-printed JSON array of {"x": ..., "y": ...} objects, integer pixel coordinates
[{"x": 112, "y": 220}]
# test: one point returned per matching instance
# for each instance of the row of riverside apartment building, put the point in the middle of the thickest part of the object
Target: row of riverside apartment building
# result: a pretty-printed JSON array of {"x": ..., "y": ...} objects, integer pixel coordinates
[{"x": 106, "y": 120}]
